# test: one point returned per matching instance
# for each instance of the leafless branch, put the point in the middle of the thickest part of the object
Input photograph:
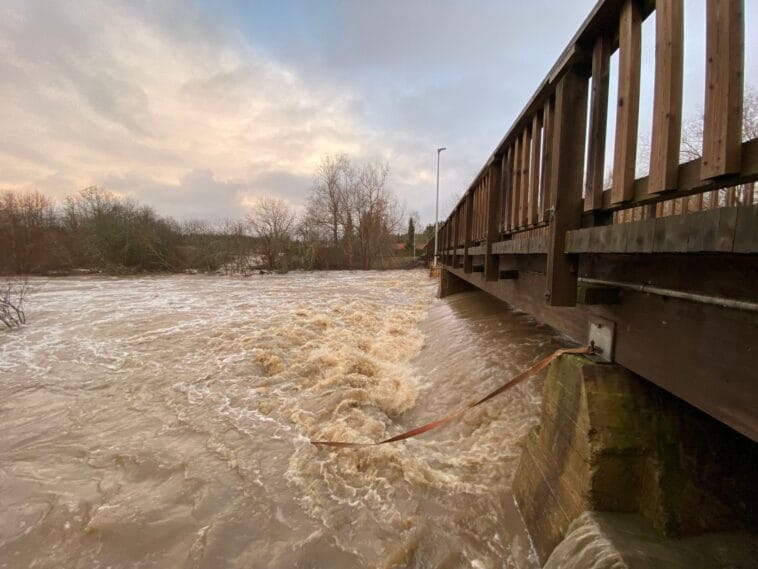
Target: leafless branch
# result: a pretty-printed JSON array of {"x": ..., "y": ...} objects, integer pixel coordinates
[{"x": 12, "y": 298}]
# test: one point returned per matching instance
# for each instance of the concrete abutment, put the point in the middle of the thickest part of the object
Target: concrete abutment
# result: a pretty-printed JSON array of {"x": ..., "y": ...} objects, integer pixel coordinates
[
  {"x": 611, "y": 443},
  {"x": 452, "y": 284}
]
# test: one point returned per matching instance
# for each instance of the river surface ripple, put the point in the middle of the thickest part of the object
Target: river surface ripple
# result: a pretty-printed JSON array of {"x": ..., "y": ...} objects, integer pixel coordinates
[{"x": 165, "y": 422}]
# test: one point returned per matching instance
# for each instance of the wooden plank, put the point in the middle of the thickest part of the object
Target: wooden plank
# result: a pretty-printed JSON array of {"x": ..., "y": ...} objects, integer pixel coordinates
[
  {"x": 711, "y": 231},
  {"x": 641, "y": 236},
  {"x": 516, "y": 184},
  {"x": 534, "y": 168},
  {"x": 567, "y": 175},
  {"x": 484, "y": 220},
  {"x": 537, "y": 245},
  {"x": 671, "y": 234},
  {"x": 468, "y": 230},
  {"x": 601, "y": 64},
  {"x": 526, "y": 140},
  {"x": 628, "y": 104},
  {"x": 476, "y": 195},
  {"x": 534, "y": 245},
  {"x": 746, "y": 232},
  {"x": 722, "y": 126},
  {"x": 507, "y": 186},
  {"x": 578, "y": 241},
  {"x": 475, "y": 213},
  {"x": 483, "y": 209},
  {"x": 667, "y": 100},
  {"x": 545, "y": 200},
  {"x": 749, "y": 190},
  {"x": 600, "y": 238},
  {"x": 620, "y": 235},
  {"x": 494, "y": 181}
]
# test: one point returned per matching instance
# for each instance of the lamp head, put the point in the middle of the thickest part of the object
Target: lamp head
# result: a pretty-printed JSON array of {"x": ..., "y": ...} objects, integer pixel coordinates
[{"x": 441, "y": 149}]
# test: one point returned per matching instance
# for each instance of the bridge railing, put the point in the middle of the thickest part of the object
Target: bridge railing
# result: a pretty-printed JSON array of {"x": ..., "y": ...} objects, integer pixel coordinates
[{"x": 543, "y": 189}]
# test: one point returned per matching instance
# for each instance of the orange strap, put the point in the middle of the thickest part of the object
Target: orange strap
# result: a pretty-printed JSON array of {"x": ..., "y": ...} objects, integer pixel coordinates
[{"x": 536, "y": 368}]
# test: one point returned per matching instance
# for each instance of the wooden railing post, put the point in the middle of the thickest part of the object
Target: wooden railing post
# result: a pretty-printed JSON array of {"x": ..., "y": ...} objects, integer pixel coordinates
[
  {"x": 534, "y": 168},
  {"x": 515, "y": 186},
  {"x": 546, "y": 202},
  {"x": 495, "y": 180},
  {"x": 601, "y": 64},
  {"x": 526, "y": 147},
  {"x": 667, "y": 102},
  {"x": 506, "y": 188},
  {"x": 468, "y": 232},
  {"x": 454, "y": 237},
  {"x": 566, "y": 179},
  {"x": 722, "y": 127},
  {"x": 628, "y": 104}
]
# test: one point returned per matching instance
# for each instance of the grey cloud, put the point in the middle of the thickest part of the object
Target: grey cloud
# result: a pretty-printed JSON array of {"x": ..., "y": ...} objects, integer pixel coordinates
[{"x": 200, "y": 194}]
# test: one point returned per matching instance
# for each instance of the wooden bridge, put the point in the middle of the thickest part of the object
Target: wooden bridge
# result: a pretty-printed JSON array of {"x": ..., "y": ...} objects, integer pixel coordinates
[{"x": 660, "y": 270}]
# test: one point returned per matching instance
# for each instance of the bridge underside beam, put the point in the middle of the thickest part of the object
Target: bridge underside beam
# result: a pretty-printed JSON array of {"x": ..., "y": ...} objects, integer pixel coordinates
[{"x": 704, "y": 354}]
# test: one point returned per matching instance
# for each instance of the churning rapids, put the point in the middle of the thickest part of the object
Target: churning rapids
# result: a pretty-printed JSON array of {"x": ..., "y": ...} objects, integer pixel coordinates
[{"x": 165, "y": 422}]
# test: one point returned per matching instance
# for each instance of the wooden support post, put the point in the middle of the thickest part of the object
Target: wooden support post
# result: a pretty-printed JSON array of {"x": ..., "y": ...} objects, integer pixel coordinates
[
  {"x": 495, "y": 182},
  {"x": 566, "y": 185},
  {"x": 468, "y": 231},
  {"x": 667, "y": 102},
  {"x": 601, "y": 65},
  {"x": 515, "y": 185},
  {"x": 546, "y": 201},
  {"x": 749, "y": 190},
  {"x": 534, "y": 168},
  {"x": 722, "y": 127},
  {"x": 628, "y": 105},
  {"x": 507, "y": 177},
  {"x": 454, "y": 236},
  {"x": 526, "y": 146}
]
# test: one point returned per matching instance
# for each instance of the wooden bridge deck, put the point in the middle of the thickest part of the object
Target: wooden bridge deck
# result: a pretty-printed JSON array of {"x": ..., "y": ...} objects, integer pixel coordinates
[{"x": 668, "y": 260}]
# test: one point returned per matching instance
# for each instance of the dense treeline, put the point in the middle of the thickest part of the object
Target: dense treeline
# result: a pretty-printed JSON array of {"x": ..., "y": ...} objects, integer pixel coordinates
[
  {"x": 95, "y": 230},
  {"x": 351, "y": 221}
]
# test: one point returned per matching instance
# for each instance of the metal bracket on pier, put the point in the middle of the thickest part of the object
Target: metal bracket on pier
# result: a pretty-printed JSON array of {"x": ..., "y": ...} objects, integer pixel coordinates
[{"x": 602, "y": 338}]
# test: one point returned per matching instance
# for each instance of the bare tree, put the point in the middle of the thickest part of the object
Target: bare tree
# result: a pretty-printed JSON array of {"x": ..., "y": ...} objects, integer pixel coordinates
[
  {"x": 273, "y": 223},
  {"x": 378, "y": 214},
  {"x": 328, "y": 202},
  {"x": 12, "y": 298}
]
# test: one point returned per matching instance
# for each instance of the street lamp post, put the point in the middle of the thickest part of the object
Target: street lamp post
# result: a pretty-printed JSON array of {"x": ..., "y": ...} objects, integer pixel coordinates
[{"x": 437, "y": 205}]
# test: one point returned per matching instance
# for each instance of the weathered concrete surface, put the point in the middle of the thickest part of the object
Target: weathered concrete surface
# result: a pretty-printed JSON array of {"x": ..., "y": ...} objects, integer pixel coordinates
[
  {"x": 451, "y": 284},
  {"x": 602, "y": 540},
  {"x": 610, "y": 441}
]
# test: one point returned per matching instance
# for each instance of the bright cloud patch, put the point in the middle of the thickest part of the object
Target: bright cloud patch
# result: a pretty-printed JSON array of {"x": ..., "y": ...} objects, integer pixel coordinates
[{"x": 157, "y": 106}]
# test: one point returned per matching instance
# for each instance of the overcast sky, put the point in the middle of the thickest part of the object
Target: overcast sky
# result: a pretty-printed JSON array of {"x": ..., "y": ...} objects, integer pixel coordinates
[{"x": 197, "y": 108}]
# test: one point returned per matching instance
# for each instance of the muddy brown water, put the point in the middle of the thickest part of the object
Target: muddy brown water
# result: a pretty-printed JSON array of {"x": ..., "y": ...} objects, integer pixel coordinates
[{"x": 165, "y": 422}]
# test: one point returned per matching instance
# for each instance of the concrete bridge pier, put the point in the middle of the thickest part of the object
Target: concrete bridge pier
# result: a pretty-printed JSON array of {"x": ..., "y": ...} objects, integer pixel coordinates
[
  {"x": 452, "y": 284},
  {"x": 611, "y": 444}
]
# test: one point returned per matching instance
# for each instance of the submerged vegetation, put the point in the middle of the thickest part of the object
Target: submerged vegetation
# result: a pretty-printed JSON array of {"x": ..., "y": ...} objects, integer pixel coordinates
[{"x": 12, "y": 298}]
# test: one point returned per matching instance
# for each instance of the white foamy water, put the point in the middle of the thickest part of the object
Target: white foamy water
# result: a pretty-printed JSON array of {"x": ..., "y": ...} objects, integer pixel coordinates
[{"x": 165, "y": 422}]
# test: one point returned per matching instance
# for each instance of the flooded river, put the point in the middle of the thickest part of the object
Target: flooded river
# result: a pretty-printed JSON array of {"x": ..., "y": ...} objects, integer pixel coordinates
[{"x": 165, "y": 422}]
